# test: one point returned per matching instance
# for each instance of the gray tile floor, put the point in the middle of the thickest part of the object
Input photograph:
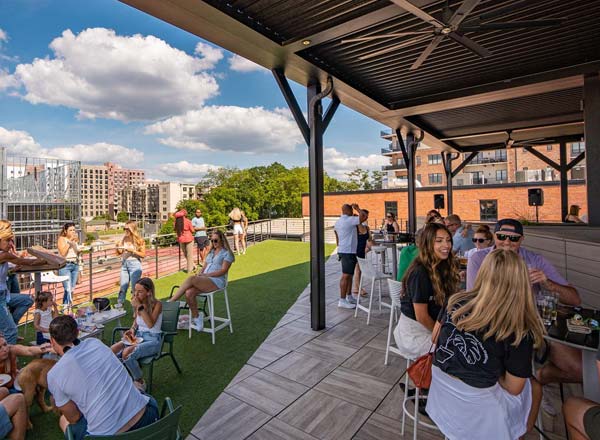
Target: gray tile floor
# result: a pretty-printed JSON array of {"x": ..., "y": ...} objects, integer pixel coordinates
[{"x": 328, "y": 385}]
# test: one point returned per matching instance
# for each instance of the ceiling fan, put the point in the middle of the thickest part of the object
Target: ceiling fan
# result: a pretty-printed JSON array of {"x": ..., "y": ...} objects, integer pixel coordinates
[
  {"x": 452, "y": 24},
  {"x": 510, "y": 142}
]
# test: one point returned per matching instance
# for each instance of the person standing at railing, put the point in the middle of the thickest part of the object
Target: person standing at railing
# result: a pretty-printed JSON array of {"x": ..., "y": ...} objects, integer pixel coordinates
[
  {"x": 185, "y": 237},
  {"x": 235, "y": 218},
  {"x": 244, "y": 232},
  {"x": 68, "y": 248},
  {"x": 132, "y": 249},
  {"x": 200, "y": 236}
]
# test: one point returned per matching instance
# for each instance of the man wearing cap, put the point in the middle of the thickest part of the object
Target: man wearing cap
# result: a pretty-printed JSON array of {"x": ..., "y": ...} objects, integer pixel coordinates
[{"x": 565, "y": 362}]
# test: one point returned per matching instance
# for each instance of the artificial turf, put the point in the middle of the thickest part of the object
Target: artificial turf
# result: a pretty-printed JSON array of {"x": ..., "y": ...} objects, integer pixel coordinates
[{"x": 263, "y": 284}]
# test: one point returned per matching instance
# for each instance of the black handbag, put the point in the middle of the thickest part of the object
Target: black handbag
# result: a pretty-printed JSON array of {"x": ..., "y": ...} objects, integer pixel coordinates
[{"x": 101, "y": 304}]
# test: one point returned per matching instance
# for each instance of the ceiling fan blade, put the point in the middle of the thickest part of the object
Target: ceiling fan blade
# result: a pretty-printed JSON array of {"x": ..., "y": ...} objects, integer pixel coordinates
[
  {"x": 409, "y": 7},
  {"x": 470, "y": 44},
  {"x": 425, "y": 54},
  {"x": 395, "y": 47},
  {"x": 511, "y": 25},
  {"x": 461, "y": 13},
  {"x": 381, "y": 37},
  {"x": 514, "y": 6}
]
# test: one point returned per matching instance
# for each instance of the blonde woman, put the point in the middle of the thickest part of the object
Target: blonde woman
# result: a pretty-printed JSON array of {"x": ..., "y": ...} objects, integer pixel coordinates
[
  {"x": 482, "y": 384},
  {"x": 235, "y": 217},
  {"x": 212, "y": 277},
  {"x": 244, "y": 232},
  {"x": 68, "y": 247},
  {"x": 147, "y": 322},
  {"x": 132, "y": 249}
]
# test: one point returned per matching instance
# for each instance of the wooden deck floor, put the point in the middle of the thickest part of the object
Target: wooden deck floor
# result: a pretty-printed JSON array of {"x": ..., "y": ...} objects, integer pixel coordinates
[{"x": 327, "y": 385}]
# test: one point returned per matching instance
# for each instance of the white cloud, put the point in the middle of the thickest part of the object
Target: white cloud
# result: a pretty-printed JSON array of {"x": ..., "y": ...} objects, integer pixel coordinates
[
  {"x": 230, "y": 128},
  {"x": 337, "y": 163},
  {"x": 182, "y": 171},
  {"x": 241, "y": 64},
  {"x": 6, "y": 80},
  {"x": 21, "y": 143},
  {"x": 3, "y": 35},
  {"x": 104, "y": 75}
]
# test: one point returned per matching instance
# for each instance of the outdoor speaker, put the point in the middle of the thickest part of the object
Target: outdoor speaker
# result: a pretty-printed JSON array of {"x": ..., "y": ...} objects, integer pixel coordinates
[
  {"x": 535, "y": 196},
  {"x": 438, "y": 201}
]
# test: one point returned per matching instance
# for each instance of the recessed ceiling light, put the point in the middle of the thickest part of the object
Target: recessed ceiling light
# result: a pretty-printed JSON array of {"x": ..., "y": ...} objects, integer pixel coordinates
[{"x": 306, "y": 42}]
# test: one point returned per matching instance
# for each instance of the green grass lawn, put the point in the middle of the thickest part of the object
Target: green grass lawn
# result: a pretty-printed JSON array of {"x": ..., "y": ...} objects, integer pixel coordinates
[{"x": 263, "y": 284}]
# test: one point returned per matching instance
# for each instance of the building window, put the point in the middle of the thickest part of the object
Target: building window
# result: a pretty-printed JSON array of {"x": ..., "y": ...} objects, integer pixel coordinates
[
  {"x": 578, "y": 173},
  {"x": 477, "y": 178},
  {"x": 500, "y": 155},
  {"x": 548, "y": 147},
  {"x": 577, "y": 148},
  {"x": 434, "y": 159},
  {"x": 391, "y": 207},
  {"x": 501, "y": 175},
  {"x": 419, "y": 178},
  {"x": 418, "y": 160},
  {"x": 435, "y": 177},
  {"x": 488, "y": 210}
]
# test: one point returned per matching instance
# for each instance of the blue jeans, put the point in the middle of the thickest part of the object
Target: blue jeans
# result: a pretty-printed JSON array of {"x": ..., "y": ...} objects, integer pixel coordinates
[
  {"x": 79, "y": 429},
  {"x": 149, "y": 347},
  {"x": 131, "y": 272},
  {"x": 18, "y": 304},
  {"x": 72, "y": 270},
  {"x": 12, "y": 282},
  {"x": 7, "y": 323}
]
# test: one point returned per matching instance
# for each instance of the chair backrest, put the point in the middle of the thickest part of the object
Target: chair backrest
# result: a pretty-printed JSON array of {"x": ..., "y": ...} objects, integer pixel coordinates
[
  {"x": 170, "y": 316},
  {"x": 395, "y": 288},
  {"x": 165, "y": 428},
  {"x": 366, "y": 268}
]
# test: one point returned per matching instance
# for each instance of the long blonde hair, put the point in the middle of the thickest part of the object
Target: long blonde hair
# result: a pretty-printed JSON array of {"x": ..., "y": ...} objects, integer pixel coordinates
[
  {"x": 501, "y": 303},
  {"x": 235, "y": 214},
  {"x": 224, "y": 242},
  {"x": 6, "y": 230},
  {"x": 444, "y": 274},
  {"x": 137, "y": 239}
]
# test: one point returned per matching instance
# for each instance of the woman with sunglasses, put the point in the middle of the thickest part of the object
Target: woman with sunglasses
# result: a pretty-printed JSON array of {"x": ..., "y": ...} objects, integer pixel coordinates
[
  {"x": 68, "y": 247},
  {"x": 482, "y": 238},
  {"x": 212, "y": 277},
  {"x": 131, "y": 248},
  {"x": 390, "y": 225}
]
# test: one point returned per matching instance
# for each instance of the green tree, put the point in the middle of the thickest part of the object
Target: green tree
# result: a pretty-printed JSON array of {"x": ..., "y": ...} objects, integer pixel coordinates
[
  {"x": 190, "y": 205},
  {"x": 168, "y": 227},
  {"x": 122, "y": 217}
]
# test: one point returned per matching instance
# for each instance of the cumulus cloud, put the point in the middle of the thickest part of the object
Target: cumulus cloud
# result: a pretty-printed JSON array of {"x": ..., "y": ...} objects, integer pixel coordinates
[
  {"x": 104, "y": 75},
  {"x": 241, "y": 64},
  {"x": 21, "y": 143},
  {"x": 3, "y": 36},
  {"x": 337, "y": 163},
  {"x": 182, "y": 171},
  {"x": 230, "y": 128}
]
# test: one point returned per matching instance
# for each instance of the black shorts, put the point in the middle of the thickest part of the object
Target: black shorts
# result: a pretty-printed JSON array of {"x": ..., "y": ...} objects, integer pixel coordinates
[
  {"x": 348, "y": 263},
  {"x": 202, "y": 241},
  {"x": 591, "y": 422}
]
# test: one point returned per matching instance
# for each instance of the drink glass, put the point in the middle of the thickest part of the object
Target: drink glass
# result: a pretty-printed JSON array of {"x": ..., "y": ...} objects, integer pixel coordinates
[{"x": 549, "y": 308}]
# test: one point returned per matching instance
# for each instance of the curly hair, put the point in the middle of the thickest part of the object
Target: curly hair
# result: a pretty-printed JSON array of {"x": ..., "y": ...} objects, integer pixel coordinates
[{"x": 444, "y": 274}]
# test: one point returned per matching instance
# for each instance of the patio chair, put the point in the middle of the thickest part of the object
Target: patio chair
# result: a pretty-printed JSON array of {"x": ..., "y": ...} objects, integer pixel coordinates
[
  {"x": 165, "y": 428},
  {"x": 395, "y": 290},
  {"x": 168, "y": 332},
  {"x": 367, "y": 270}
]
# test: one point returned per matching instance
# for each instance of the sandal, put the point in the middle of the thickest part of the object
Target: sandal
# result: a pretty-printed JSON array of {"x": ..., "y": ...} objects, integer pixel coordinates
[{"x": 363, "y": 293}]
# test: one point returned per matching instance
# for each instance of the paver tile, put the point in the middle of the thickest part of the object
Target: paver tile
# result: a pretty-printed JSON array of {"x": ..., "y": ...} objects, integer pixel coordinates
[{"x": 302, "y": 368}]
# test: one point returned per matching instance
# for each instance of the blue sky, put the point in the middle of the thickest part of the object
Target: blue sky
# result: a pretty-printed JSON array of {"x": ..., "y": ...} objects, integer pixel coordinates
[{"x": 97, "y": 80}]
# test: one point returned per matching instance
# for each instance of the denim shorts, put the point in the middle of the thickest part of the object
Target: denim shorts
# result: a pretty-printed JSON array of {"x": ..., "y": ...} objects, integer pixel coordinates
[{"x": 5, "y": 423}]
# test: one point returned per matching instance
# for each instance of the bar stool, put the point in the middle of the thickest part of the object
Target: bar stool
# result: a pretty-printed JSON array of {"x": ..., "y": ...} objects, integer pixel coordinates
[
  {"x": 366, "y": 270},
  {"x": 224, "y": 322},
  {"x": 380, "y": 257},
  {"x": 395, "y": 290}
]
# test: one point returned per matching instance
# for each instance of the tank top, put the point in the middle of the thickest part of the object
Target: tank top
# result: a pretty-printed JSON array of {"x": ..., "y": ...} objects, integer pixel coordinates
[
  {"x": 389, "y": 228},
  {"x": 362, "y": 243},
  {"x": 142, "y": 327},
  {"x": 71, "y": 256}
]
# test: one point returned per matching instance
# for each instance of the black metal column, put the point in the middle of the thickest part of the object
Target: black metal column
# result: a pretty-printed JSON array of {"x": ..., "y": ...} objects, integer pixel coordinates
[
  {"x": 316, "y": 201},
  {"x": 411, "y": 148},
  {"x": 447, "y": 160},
  {"x": 591, "y": 118},
  {"x": 564, "y": 182}
]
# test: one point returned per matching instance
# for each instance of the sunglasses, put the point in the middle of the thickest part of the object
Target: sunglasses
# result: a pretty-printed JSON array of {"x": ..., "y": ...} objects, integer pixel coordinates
[
  {"x": 511, "y": 238},
  {"x": 215, "y": 241},
  {"x": 479, "y": 240}
]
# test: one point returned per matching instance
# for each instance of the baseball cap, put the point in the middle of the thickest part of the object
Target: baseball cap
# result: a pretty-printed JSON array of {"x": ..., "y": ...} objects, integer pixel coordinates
[{"x": 513, "y": 226}]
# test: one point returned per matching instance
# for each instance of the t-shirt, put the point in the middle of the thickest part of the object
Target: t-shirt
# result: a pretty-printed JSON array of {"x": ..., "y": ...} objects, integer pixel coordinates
[
  {"x": 419, "y": 290},
  {"x": 91, "y": 376},
  {"x": 460, "y": 243},
  {"x": 345, "y": 228},
  {"x": 214, "y": 262},
  {"x": 198, "y": 222},
  {"x": 407, "y": 255},
  {"x": 478, "y": 362},
  {"x": 45, "y": 319}
]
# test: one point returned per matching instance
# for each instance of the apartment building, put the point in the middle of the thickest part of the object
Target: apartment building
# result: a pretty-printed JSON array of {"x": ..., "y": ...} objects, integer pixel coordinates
[
  {"x": 102, "y": 188},
  {"x": 515, "y": 165},
  {"x": 170, "y": 194}
]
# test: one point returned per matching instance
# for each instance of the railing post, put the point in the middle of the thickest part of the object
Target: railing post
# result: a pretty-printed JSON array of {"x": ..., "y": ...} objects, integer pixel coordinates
[
  {"x": 156, "y": 257},
  {"x": 261, "y": 231},
  {"x": 286, "y": 231},
  {"x": 91, "y": 276}
]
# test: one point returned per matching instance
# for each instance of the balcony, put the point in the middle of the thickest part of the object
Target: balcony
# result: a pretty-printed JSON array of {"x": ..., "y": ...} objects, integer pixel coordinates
[
  {"x": 487, "y": 160},
  {"x": 399, "y": 166},
  {"x": 385, "y": 134}
]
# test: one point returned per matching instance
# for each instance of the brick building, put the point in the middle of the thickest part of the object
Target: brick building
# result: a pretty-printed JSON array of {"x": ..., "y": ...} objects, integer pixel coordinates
[{"x": 473, "y": 203}]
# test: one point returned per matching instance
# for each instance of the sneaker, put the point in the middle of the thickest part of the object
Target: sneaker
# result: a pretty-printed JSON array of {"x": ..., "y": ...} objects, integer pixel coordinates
[
  {"x": 350, "y": 299},
  {"x": 547, "y": 406},
  {"x": 343, "y": 303},
  {"x": 198, "y": 323}
]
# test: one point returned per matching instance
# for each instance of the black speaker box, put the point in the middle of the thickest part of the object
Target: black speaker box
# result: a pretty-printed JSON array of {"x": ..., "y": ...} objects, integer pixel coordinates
[
  {"x": 438, "y": 201},
  {"x": 535, "y": 196}
]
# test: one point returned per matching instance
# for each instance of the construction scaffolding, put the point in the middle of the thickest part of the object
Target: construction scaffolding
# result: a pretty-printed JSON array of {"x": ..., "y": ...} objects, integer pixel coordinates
[{"x": 38, "y": 196}]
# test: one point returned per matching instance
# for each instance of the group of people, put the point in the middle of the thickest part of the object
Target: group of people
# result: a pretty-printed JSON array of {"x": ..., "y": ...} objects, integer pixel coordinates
[{"x": 486, "y": 335}]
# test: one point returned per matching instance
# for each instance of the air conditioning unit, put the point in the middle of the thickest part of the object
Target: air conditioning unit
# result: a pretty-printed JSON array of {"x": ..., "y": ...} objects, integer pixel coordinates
[{"x": 529, "y": 175}]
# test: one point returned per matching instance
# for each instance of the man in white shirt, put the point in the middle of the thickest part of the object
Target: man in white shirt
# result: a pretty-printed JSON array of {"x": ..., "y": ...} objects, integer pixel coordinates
[
  {"x": 91, "y": 387},
  {"x": 200, "y": 236},
  {"x": 347, "y": 240}
]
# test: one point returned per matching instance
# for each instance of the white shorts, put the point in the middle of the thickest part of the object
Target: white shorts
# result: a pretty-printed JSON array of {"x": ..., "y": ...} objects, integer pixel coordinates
[{"x": 237, "y": 229}]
